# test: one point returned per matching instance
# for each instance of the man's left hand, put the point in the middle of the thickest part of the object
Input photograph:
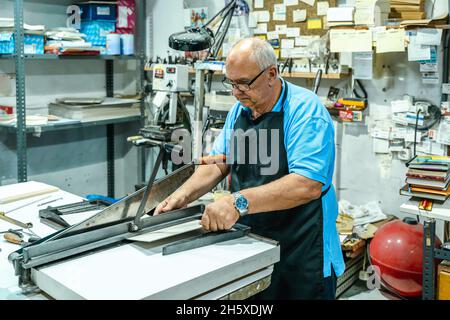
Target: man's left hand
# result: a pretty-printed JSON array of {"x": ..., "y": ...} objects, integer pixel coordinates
[{"x": 220, "y": 215}]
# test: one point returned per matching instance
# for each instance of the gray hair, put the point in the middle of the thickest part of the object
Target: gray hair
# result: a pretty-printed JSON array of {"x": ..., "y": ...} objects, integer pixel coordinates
[{"x": 262, "y": 52}]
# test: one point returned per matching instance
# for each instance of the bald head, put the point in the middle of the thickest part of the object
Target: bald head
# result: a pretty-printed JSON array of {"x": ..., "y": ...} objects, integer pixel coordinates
[{"x": 254, "y": 50}]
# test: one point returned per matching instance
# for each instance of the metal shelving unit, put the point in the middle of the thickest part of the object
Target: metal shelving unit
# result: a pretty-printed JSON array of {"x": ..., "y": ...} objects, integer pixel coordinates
[{"x": 20, "y": 57}]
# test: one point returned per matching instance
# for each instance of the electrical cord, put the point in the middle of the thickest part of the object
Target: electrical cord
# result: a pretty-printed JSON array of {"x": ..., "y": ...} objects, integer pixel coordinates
[{"x": 364, "y": 92}]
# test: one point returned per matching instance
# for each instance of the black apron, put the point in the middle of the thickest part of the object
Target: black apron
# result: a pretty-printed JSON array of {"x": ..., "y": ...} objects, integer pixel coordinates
[{"x": 299, "y": 273}]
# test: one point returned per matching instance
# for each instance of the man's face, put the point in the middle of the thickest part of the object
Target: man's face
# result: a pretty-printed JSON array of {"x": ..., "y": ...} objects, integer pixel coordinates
[{"x": 244, "y": 71}]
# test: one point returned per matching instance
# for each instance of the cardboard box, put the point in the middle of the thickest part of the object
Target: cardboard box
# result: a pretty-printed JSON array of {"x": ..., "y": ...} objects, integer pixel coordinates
[
  {"x": 33, "y": 43},
  {"x": 443, "y": 283},
  {"x": 96, "y": 31},
  {"x": 98, "y": 11}
]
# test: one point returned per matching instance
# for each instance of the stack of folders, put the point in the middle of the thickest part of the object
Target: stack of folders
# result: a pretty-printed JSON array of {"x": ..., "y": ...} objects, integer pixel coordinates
[
  {"x": 428, "y": 177},
  {"x": 408, "y": 9}
]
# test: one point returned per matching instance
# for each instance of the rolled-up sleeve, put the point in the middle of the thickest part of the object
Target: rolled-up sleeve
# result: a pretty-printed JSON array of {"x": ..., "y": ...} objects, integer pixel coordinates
[{"x": 310, "y": 147}]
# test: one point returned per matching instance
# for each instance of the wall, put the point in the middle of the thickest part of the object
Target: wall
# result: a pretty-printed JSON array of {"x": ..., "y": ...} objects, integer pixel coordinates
[
  {"x": 361, "y": 176},
  {"x": 75, "y": 159}
]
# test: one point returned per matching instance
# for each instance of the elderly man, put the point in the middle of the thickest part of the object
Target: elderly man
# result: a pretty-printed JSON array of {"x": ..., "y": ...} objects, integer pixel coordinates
[{"x": 296, "y": 204}]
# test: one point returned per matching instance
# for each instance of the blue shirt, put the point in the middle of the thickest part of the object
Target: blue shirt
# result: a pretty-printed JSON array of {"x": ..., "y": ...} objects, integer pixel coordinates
[{"x": 309, "y": 143}]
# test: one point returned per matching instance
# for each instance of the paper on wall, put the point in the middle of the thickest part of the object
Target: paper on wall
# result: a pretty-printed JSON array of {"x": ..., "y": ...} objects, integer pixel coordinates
[
  {"x": 263, "y": 16},
  {"x": 350, "y": 40},
  {"x": 290, "y": 2},
  {"x": 261, "y": 28},
  {"x": 380, "y": 146},
  {"x": 314, "y": 23},
  {"x": 322, "y": 8},
  {"x": 429, "y": 36},
  {"x": 302, "y": 41},
  {"x": 271, "y": 35},
  {"x": 281, "y": 28},
  {"x": 362, "y": 65},
  {"x": 299, "y": 15},
  {"x": 259, "y": 4},
  {"x": 285, "y": 53},
  {"x": 299, "y": 52},
  {"x": 279, "y": 16},
  {"x": 309, "y": 2},
  {"x": 417, "y": 52},
  {"x": 400, "y": 105},
  {"x": 279, "y": 8},
  {"x": 443, "y": 135},
  {"x": 397, "y": 133},
  {"x": 253, "y": 19},
  {"x": 287, "y": 43},
  {"x": 293, "y": 32},
  {"x": 391, "y": 40}
]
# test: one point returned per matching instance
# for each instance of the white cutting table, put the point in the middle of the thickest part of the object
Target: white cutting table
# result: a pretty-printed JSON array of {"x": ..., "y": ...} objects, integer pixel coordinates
[{"x": 138, "y": 270}]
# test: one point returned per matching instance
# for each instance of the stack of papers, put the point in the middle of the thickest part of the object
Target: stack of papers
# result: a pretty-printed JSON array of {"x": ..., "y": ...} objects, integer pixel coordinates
[
  {"x": 110, "y": 107},
  {"x": 7, "y": 24},
  {"x": 368, "y": 213}
]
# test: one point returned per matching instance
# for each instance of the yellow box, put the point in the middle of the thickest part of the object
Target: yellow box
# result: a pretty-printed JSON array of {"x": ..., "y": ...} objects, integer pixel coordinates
[{"x": 443, "y": 283}]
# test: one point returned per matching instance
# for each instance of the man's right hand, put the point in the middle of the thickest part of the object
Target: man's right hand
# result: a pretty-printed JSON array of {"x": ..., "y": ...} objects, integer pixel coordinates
[{"x": 176, "y": 200}]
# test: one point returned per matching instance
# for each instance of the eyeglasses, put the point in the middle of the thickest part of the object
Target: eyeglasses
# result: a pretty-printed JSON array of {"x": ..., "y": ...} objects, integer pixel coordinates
[{"x": 241, "y": 86}]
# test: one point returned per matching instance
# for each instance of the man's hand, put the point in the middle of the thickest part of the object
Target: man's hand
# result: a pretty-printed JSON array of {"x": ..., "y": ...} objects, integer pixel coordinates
[
  {"x": 176, "y": 200},
  {"x": 220, "y": 215}
]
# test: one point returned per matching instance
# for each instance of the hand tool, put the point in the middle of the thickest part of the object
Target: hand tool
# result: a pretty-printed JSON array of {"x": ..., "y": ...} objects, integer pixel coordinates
[{"x": 27, "y": 225}]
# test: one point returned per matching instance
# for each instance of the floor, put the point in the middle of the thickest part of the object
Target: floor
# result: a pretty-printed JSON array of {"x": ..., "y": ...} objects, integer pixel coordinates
[{"x": 359, "y": 291}]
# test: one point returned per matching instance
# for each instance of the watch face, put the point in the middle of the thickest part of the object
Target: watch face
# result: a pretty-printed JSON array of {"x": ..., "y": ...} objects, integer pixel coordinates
[{"x": 241, "y": 203}]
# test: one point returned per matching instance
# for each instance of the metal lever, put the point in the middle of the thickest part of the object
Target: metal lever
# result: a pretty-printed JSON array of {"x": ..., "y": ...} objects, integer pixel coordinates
[
  {"x": 207, "y": 239},
  {"x": 137, "y": 223}
]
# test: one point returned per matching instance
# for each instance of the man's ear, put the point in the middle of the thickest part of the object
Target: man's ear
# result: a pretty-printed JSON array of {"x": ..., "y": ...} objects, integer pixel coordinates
[{"x": 272, "y": 74}]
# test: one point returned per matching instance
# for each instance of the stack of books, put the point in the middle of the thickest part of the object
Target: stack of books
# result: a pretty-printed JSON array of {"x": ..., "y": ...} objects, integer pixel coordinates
[
  {"x": 408, "y": 9},
  {"x": 428, "y": 177}
]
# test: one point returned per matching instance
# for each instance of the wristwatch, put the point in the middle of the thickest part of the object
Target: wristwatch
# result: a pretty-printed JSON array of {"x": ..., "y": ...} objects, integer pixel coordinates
[{"x": 241, "y": 203}]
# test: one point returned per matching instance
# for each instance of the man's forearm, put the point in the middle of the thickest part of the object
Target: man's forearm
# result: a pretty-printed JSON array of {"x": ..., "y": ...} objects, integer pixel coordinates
[
  {"x": 285, "y": 193},
  {"x": 203, "y": 180}
]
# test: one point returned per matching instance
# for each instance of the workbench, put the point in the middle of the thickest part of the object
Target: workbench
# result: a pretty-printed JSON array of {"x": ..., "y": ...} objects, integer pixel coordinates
[{"x": 234, "y": 269}]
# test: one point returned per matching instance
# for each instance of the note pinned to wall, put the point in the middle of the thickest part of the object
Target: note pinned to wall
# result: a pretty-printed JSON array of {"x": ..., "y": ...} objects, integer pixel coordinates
[
  {"x": 309, "y": 2},
  {"x": 322, "y": 8},
  {"x": 261, "y": 28},
  {"x": 290, "y": 2},
  {"x": 259, "y": 4},
  {"x": 391, "y": 40},
  {"x": 253, "y": 19},
  {"x": 429, "y": 36},
  {"x": 287, "y": 43},
  {"x": 314, "y": 23},
  {"x": 271, "y": 35},
  {"x": 350, "y": 40},
  {"x": 263, "y": 16},
  {"x": 281, "y": 28},
  {"x": 299, "y": 15},
  {"x": 279, "y": 16},
  {"x": 293, "y": 32}
]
